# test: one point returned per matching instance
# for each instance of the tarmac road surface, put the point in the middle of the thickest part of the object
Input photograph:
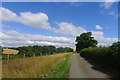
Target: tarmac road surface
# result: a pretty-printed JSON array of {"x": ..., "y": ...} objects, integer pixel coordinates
[{"x": 80, "y": 68}]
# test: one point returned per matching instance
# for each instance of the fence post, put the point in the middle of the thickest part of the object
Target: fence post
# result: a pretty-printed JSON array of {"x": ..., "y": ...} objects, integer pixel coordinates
[
  {"x": 40, "y": 54},
  {"x": 24, "y": 55},
  {"x": 8, "y": 57},
  {"x": 34, "y": 55}
]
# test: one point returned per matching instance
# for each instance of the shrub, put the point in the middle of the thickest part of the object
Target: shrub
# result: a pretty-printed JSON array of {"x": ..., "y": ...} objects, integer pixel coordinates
[{"x": 107, "y": 58}]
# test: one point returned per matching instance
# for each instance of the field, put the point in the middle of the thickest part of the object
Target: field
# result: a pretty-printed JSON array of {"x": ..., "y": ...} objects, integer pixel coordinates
[
  {"x": 10, "y": 51},
  {"x": 38, "y": 67}
]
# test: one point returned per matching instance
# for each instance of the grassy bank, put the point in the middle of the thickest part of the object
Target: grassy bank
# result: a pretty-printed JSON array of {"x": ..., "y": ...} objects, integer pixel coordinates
[
  {"x": 38, "y": 67},
  {"x": 62, "y": 68}
]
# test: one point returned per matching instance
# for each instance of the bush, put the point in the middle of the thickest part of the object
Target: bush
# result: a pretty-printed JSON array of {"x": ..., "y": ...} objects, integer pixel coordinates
[{"x": 107, "y": 58}]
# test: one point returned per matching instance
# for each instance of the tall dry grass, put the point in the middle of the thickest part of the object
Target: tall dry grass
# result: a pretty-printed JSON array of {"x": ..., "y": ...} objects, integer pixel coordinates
[{"x": 31, "y": 67}]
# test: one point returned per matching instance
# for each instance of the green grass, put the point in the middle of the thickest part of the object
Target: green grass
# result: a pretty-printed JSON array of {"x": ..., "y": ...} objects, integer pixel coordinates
[{"x": 62, "y": 68}]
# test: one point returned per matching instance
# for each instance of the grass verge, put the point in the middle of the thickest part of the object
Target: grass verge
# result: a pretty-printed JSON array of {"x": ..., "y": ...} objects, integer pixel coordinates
[{"x": 62, "y": 68}]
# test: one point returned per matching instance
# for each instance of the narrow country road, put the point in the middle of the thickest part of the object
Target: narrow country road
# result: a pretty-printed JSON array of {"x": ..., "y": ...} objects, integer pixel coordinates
[{"x": 82, "y": 69}]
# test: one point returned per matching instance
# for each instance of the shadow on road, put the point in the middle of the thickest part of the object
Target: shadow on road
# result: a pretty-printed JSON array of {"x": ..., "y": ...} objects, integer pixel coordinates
[
  {"x": 93, "y": 66},
  {"x": 97, "y": 69}
]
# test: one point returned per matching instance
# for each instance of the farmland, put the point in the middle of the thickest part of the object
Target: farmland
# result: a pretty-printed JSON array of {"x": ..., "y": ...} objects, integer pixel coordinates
[
  {"x": 38, "y": 67},
  {"x": 10, "y": 51},
  {"x": 32, "y": 51}
]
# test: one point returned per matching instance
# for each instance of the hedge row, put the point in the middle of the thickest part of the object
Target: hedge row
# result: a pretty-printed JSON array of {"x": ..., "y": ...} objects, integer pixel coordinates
[{"x": 105, "y": 58}]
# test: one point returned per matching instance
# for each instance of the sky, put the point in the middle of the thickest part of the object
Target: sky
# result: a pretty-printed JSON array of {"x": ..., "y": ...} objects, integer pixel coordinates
[{"x": 57, "y": 23}]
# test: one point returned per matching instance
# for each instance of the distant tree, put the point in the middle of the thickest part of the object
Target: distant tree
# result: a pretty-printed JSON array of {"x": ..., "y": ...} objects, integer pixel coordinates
[
  {"x": 1, "y": 50},
  {"x": 27, "y": 50},
  {"x": 67, "y": 49},
  {"x": 60, "y": 50},
  {"x": 45, "y": 50},
  {"x": 52, "y": 49},
  {"x": 84, "y": 41},
  {"x": 37, "y": 50}
]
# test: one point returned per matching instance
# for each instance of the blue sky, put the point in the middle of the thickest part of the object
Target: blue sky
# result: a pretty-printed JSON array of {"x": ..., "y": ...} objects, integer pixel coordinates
[{"x": 61, "y": 17}]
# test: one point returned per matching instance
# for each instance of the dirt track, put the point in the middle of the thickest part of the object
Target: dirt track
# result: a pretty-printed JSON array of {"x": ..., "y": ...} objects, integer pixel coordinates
[{"x": 80, "y": 68}]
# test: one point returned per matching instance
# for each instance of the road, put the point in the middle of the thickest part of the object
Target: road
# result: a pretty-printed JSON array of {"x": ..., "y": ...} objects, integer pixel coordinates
[{"x": 80, "y": 68}]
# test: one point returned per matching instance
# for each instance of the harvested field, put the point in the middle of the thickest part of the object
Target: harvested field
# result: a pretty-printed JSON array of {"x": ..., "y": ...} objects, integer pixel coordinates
[{"x": 10, "y": 51}]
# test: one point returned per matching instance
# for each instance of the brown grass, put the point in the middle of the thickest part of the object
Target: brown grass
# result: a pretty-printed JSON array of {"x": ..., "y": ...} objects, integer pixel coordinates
[
  {"x": 10, "y": 51},
  {"x": 31, "y": 67}
]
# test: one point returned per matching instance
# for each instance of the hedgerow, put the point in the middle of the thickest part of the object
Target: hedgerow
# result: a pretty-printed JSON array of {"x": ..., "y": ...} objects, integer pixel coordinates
[{"x": 106, "y": 58}]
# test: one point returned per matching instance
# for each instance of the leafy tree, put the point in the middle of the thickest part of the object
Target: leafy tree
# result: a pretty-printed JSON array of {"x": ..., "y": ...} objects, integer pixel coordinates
[
  {"x": 67, "y": 49},
  {"x": 116, "y": 54},
  {"x": 60, "y": 50},
  {"x": 37, "y": 50},
  {"x": 116, "y": 47},
  {"x": 84, "y": 41},
  {"x": 52, "y": 49},
  {"x": 27, "y": 50}
]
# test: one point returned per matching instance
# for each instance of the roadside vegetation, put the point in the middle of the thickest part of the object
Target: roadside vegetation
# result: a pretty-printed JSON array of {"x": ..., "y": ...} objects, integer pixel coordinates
[
  {"x": 105, "y": 59},
  {"x": 62, "y": 69},
  {"x": 48, "y": 66}
]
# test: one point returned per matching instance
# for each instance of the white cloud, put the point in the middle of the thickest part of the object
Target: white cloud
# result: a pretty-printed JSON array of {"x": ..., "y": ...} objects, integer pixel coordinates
[
  {"x": 98, "y": 27},
  {"x": 98, "y": 35},
  {"x": 37, "y": 20},
  {"x": 7, "y": 15},
  {"x": 107, "y": 4},
  {"x": 111, "y": 13},
  {"x": 40, "y": 20},
  {"x": 111, "y": 0},
  {"x": 13, "y": 38},
  {"x": 69, "y": 29},
  {"x": 76, "y": 4}
]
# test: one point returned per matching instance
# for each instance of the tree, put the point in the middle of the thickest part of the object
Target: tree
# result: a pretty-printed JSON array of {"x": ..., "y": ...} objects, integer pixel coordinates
[
  {"x": 116, "y": 52},
  {"x": 85, "y": 41},
  {"x": 37, "y": 50},
  {"x": 52, "y": 49},
  {"x": 27, "y": 50},
  {"x": 116, "y": 47},
  {"x": 67, "y": 49}
]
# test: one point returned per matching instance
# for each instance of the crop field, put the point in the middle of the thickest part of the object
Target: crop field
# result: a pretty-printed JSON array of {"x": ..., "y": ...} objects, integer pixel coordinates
[
  {"x": 10, "y": 51},
  {"x": 37, "y": 67}
]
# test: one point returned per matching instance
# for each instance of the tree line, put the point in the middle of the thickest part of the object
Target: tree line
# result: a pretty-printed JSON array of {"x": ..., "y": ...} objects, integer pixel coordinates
[{"x": 29, "y": 51}]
